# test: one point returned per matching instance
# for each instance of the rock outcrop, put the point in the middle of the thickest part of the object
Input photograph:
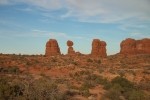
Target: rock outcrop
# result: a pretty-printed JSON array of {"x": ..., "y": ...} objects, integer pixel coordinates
[
  {"x": 98, "y": 48},
  {"x": 52, "y": 48},
  {"x": 132, "y": 46},
  {"x": 70, "y": 48}
]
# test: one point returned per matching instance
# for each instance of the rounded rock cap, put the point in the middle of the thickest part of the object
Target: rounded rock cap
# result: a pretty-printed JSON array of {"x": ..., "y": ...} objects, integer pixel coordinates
[{"x": 69, "y": 43}]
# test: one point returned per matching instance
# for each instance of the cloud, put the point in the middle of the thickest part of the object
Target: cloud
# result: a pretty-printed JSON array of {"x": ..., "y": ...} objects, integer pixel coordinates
[
  {"x": 4, "y": 2},
  {"x": 44, "y": 4},
  {"x": 139, "y": 35},
  {"x": 42, "y": 33},
  {"x": 133, "y": 26},
  {"x": 94, "y": 11},
  {"x": 27, "y": 9},
  {"x": 106, "y": 11},
  {"x": 39, "y": 4}
]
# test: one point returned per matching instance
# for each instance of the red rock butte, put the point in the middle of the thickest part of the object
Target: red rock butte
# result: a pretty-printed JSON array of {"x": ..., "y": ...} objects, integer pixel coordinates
[
  {"x": 98, "y": 48},
  {"x": 133, "y": 47},
  {"x": 128, "y": 46},
  {"x": 52, "y": 48}
]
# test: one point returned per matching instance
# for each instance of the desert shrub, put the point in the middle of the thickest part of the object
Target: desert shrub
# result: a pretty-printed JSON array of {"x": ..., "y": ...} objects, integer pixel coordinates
[
  {"x": 74, "y": 63},
  {"x": 146, "y": 72},
  {"x": 54, "y": 60},
  {"x": 89, "y": 60},
  {"x": 144, "y": 85},
  {"x": 107, "y": 86},
  {"x": 84, "y": 72},
  {"x": 84, "y": 89},
  {"x": 86, "y": 93},
  {"x": 98, "y": 61},
  {"x": 100, "y": 70},
  {"x": 113, "y": 95},
  {"x": 4, "y": 88},
  {"x": 10, "y": 91},
  {"x": 121, "y": 87},
  {"x": 44, "y": 89},
  {"x": 135, "y": 95},
  {"x": 60, "y": 80},
  {"x": 17, "y": 91},
  {"x": 28, "y": 63},
  {"x": 10, "y": 70},
  {"x": 14, "y": 70},
  {"x": 124, "y": 83},
  {"x": 96, "y": 79},
  {"x": 121, "y": 72}
]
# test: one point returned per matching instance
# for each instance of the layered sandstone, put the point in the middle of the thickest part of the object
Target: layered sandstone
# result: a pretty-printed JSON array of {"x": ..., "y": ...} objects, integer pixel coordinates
[
  {"x": 70, "y": 48},
  {"x": 132, "y": 46},
  {"x": 98, "y": 48},
  {"x": 52, "y": 48}
]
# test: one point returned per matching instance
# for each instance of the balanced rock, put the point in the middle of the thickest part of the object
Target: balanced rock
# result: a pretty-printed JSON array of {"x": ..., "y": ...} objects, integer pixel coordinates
[
  {"x": 132, "y": 46},
  {"x": 98, "y": 48},
  {"x": 52, "y": 48},
  {"x": 70, "y": 48},
  {"x": 69, "y": 43}
]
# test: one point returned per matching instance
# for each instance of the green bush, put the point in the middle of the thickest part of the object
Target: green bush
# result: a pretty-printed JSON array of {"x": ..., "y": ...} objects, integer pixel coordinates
[
  {"x": 135, "y": 95},
  {"x": 86, "y": 85},
  {"x": 44, "y": 89},
  {"x": 89, "y": 60},
  {"x": 98, "y": 61},
  {"x": 9, "y": 90},
  {"x": 96, "y": 79},
  {"x": 41, "y": 89},
  {"x": 14, "y": 70},
  {"x": 113, "y": 94},
  {"x": 124, "y": 83},
  {"x": 10, "y": 70},
  {"x": 4, "y": 89},
  {"x": 121, "y": 87},
  {"x": 84, "y": 89}
]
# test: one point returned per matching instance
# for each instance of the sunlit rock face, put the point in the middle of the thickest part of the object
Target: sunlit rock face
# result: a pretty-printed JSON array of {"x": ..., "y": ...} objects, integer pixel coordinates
[
  {"x": 98, "y": 48},
  {"x": 128, "y": 46},
  {"x": 132, "y": 46},
  {"x": 52, "y": 48}
]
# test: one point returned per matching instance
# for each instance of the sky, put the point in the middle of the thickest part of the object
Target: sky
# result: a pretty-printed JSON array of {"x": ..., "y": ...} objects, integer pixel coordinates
[{"x": 26, "y": 25}]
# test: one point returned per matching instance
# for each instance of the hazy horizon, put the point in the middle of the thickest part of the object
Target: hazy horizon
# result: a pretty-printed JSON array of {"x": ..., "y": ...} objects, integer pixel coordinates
[{"x": 26, "y": 25}]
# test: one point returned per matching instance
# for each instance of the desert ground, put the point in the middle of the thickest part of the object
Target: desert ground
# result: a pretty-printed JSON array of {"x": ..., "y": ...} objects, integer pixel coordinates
[{"x": 80, "y": 77}]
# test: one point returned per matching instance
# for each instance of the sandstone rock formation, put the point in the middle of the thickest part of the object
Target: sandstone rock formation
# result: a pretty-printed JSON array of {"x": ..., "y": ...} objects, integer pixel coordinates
[
  {"x": 98, "y": 48},
  {"x": 70, "y": 48},
  {"x": 132, "y": 46},
  {"x": 52, "y": 48},
  {"x": 128, "y": 46}
]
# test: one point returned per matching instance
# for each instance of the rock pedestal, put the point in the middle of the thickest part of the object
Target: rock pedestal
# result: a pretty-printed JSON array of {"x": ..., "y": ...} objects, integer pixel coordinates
[
  {"x": 98, "y": 48},
  {"x": 70, "y": 48},
  {"x": 52, "y": 48}
]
